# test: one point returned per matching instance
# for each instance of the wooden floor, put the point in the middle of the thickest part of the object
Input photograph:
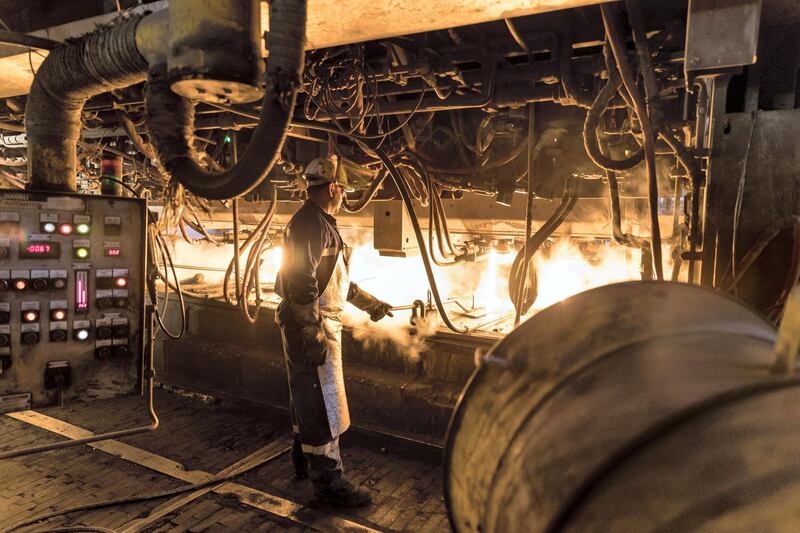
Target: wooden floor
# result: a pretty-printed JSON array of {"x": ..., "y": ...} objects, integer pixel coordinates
[{"x": 206, "y": 438}]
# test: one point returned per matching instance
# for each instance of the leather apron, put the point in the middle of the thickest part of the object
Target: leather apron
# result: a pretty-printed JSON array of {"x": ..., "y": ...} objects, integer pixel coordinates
[{"x": 331, "y": 377}]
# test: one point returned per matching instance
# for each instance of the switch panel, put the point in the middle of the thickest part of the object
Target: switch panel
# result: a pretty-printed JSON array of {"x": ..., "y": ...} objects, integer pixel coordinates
[{"x": 72, "y": 291}]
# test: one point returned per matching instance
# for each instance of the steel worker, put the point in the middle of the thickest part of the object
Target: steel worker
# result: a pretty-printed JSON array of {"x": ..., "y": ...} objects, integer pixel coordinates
[{"x": 314, "y": 284}]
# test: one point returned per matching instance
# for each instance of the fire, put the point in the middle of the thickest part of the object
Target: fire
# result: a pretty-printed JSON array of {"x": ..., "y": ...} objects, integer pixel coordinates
[{"x": 474, "y": 293}]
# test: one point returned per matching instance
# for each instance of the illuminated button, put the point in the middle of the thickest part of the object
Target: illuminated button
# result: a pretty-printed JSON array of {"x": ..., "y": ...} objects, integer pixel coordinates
[
  {"x": 65, "y": 229},
  {"x": 83, "y": 229},
  {"x": 57, "y": 315},
  {"x": 59, "y": 283},
  {"x": 81, "y": 334},
  {"x": 121, "y": 282},
  {"x": 20, "y": 284},
  {"x": 30, "y": 316},
  {"x": 81, "y": 252},
  {"x": 39, "y": 284},
  {"x": 48, "y": 227}
]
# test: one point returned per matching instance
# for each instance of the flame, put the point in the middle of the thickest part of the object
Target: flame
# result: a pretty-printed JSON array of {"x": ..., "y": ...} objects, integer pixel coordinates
[{"x": 563, "y": 269}]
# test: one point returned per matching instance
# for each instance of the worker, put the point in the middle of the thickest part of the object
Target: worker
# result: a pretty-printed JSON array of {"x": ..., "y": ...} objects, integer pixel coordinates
[{"x": 314, "y": 285}]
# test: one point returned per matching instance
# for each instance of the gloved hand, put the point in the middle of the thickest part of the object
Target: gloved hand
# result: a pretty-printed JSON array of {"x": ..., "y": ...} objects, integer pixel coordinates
[
  {"x": 315, "y": 346},
  {"x": 376, "y": 309}
]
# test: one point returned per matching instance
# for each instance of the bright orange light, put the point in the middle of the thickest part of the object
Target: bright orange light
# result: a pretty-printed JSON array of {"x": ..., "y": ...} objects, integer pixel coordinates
[
  {"x": 65, "y": 229},
  {"x": 20, "y": 285},
  {"x": 59, "y": 314},
  {"x": 30, "y": 316},
  {"x": 121, "y": 282}
]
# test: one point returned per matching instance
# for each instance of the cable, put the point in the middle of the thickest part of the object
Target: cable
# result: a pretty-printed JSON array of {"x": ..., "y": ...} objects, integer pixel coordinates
[
  {"x": 401, "y": 186},
  {"x": 518, "y": 268},
  {"x": 620, "y": 55},
  {"x": 214, "y": 480}
]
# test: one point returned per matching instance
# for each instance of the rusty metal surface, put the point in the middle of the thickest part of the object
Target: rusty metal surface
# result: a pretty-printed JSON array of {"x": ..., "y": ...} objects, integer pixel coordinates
[
  {"x": 721, "y": 34},
  {"x": 328, "y": 24},
  {"x": 586, "y": 376},
  {"x": 771, "y": 156}
]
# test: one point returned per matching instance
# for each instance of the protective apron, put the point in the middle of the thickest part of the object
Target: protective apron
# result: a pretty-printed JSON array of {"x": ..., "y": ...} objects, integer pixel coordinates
[{"x": 331, "y": 377}]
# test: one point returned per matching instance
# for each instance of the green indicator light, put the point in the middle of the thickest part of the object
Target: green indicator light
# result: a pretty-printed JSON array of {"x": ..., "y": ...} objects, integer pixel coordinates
[
  {"x": 81, "y": 253},
  {"x": 227, "y": 138},
  {"x": 83, "y": 229}
]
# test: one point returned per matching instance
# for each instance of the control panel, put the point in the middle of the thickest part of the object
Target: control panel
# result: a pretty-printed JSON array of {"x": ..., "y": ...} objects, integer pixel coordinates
[{"x": 72, "y": 274}]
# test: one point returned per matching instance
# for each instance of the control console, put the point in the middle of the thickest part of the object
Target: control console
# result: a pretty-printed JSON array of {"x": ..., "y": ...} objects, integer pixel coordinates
[{"x": 72, "y": 275}]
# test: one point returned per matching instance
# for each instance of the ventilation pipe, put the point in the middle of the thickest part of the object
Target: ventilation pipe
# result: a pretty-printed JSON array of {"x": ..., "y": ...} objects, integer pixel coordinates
[
  {"x": 170, "y": 118},
  {"x": 98, "y": 62},
  {"x": 120, "y": 55}
]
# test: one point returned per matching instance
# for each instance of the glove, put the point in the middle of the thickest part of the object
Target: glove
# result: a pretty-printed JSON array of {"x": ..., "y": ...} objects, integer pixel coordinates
[
  {"x": 315, "y": 345},
  {"x": 376, "y": 309}
]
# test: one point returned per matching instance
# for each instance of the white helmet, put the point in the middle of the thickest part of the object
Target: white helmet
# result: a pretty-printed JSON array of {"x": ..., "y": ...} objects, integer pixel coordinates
[{"x": 321, "y": 170}]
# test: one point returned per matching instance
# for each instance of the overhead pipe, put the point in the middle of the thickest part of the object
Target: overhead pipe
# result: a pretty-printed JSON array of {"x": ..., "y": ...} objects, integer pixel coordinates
[
  {"x": 170, "y": 118},
  {"x": 98, "y": 62},
  {"x": 122, "y": 54}
]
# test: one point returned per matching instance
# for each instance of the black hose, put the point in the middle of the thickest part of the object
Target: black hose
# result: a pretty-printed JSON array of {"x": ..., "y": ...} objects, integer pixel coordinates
[
  {"x": 401, "y": 186},
  {"x": 534, "y": 242},
  {"x": 617, "y": 234},
  {"x": 617, "y": 44},
  {"x": 170, "y": 119},
  {"x": 590, "y": 138},
  {"x": 368, "y": 195}
]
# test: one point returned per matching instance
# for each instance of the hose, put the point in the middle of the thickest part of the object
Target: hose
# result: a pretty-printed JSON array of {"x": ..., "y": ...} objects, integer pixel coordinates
[
  {"x": 401, "y": 187},
  {"x": 617, "y": 234},
  {"x": 367, "y": 196},
  {"x": 620, "y": 55},
  {"x": 534, "y": 242},
  {"x": 170, "y": 118},
  {"x": 590, "y": 138}
]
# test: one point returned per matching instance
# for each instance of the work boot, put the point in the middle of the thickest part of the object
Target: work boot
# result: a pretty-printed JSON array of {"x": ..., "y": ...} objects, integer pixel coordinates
[
  {"x": 344, "y": 494},
  {"x": 299, "y": 460}
]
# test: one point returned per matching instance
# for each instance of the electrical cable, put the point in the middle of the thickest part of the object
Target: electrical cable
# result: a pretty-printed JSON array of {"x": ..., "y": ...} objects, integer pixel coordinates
[
  {"x": 535, "y": 241},
  {"x": 617, "y": 44},
  {"x": 401, "y": 186},
  {"x": 214, "y": 480}
]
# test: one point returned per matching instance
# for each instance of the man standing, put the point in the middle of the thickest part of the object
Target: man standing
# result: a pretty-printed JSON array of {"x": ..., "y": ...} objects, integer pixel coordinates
[{"x": 314, "y": 284}]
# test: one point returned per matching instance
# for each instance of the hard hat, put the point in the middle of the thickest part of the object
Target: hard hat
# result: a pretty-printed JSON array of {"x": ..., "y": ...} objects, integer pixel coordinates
[{"x": 324, "y": 170}]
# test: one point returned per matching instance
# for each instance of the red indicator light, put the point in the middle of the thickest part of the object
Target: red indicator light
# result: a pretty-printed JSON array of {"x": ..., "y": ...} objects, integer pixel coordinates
[
  {"x": 65, "y": 229},
  {"x": 121, "y": 282},
  {"x": 59, "y": 314},
  {"x": 30, "y": 316},
  {"x": 20, "y": 284},
  {"x": 113, "y": 252}
]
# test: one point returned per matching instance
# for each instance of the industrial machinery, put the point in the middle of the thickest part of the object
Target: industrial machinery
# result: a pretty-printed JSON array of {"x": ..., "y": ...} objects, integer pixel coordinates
[
  {"x": 500, "y": 158},
  {"x": 71, "y": 296}
]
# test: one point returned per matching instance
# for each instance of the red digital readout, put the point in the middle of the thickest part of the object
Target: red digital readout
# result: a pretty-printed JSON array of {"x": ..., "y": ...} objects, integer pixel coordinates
[
  {"x": 39, "y": 248},
  {"x": 113, "y": 252}
]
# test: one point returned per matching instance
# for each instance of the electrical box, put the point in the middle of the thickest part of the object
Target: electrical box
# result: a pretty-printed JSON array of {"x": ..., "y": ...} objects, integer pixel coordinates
[
  {"x": 72, "y": 274},
  {"x": 393, "y": 234}
]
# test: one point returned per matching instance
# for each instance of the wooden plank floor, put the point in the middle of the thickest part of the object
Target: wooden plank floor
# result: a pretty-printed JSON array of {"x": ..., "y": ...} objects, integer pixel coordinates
[{"x": 406, "y": 489}]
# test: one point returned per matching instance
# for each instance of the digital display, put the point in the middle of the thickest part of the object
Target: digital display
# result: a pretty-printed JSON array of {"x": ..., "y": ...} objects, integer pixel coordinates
[
  {"x": 32, "y": 250},
  {"x": 81, "y": 291},
  {"x": 113, "y": 252}
]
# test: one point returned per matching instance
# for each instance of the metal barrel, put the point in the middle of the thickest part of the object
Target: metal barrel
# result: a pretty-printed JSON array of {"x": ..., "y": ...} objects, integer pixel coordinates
[{"x": 640, "y": 406}]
